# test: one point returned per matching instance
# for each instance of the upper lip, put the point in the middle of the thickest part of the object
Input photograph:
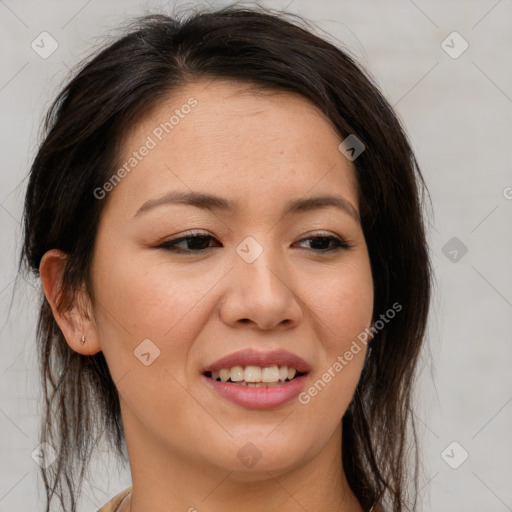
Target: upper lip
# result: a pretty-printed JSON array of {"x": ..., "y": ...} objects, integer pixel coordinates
[{"x": 257, "y": 358}]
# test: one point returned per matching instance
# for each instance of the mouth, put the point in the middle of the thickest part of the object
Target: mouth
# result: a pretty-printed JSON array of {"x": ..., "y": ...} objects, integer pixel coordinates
[
  {"x": 258, "y": 380},
  {"x": 256, "y": 376}
]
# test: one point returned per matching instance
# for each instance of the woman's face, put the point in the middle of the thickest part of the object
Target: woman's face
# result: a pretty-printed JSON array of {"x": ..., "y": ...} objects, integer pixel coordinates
[{"x": 257, "y": 287}]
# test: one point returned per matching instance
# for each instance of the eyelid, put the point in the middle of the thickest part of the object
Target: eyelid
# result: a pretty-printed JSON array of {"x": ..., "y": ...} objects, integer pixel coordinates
[
  {"x": 343, "y": 242},
  {"x": 324, "y": 233},
  {"x": 171, "y": 244},
  {"x": 190, "y": 233},
  {"x": 186, "y": 234}
]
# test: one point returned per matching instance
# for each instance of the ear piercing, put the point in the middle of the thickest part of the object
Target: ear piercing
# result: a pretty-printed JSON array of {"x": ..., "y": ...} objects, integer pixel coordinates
[{"x": 82, "y": 341}]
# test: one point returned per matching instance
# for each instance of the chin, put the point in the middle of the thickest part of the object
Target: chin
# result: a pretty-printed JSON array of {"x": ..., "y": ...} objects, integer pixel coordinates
[{"x": 253, "y": 460}]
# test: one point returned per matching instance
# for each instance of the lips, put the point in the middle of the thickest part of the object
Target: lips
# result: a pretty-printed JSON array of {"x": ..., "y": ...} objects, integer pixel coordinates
[
  {"x": 262, "y": 395},
  {"x": 253, "y": 357}
]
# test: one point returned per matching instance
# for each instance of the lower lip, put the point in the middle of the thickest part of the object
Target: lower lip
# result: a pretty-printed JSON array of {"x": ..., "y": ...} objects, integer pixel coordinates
[{"x": 263, "y": 397}]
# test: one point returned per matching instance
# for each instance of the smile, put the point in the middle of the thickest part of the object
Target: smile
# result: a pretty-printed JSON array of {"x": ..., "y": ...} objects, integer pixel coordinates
[{"x": 255, "y": 376}]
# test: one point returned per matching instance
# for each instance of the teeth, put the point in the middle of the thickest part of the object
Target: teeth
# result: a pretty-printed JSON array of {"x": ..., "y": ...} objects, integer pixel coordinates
[
  {"x": 255, "y": 376},
  {"x": 252, "y": 374},
  {"x": 270, "y": 374},
  {"x": 236, "y": 373}
]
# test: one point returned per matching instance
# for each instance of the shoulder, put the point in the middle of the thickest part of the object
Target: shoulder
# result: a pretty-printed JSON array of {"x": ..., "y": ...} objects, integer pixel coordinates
[{"x": 114, "y": 503}]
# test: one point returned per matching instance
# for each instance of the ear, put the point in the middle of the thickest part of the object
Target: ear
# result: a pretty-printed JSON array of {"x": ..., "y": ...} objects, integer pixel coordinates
[{"x": 77, "y": 319}]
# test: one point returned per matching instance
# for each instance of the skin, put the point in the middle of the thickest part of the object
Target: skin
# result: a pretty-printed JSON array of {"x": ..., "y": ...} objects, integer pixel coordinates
[{"x": 259, "y": 150}]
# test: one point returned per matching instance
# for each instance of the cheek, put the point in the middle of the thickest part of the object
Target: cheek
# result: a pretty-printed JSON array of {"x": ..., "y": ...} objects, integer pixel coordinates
[
  {"x": 150, "y": 302},
  {"x": 146, "y": 294},
  {"x": 343, "y": 302},
  {"x": 343, "y": 305},
  {"x": 139, "y": 300}
]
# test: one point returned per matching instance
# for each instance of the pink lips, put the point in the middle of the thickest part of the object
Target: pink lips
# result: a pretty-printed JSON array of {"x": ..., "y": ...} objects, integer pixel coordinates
[
  {"x": 259, "y": 397},
  {"x": 263, "y": 359}
]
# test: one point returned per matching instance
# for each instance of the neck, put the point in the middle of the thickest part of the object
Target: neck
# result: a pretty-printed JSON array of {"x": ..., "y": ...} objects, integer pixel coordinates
[{"x": 165, "y": 481}]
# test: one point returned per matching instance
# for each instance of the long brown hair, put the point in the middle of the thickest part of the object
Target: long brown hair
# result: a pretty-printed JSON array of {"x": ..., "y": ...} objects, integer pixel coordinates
[{"x": 83, "y": 131}]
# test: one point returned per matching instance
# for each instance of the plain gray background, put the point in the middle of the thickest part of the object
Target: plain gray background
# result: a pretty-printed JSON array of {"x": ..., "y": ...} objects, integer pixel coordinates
[{"x": 457, "y": 108}]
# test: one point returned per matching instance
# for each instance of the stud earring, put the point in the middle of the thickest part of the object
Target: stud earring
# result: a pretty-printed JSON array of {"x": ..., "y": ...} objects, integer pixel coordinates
[{"x": 82, "y": 341}]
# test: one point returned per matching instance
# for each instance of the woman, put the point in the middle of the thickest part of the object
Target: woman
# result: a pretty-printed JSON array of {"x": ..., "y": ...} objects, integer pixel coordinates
[{"x": 225, "y": 215}]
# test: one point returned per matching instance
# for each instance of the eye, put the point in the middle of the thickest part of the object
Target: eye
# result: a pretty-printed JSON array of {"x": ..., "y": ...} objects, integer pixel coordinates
[
  {"x": 199, "y": 242},
  {"x": 195, "y": 242},
  {"x": 323, "y": 243}
]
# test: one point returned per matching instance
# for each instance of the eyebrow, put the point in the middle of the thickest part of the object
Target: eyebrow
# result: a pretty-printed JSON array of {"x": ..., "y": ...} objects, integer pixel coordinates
[{"x": 211, "y": 202}]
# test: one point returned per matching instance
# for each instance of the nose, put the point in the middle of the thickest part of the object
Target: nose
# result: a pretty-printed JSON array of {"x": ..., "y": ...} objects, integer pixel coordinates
[{"x": 261, "y": 293}]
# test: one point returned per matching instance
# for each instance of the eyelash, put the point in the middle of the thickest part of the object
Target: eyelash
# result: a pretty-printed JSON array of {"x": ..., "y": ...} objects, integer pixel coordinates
[{"x": 171, "y": 246}]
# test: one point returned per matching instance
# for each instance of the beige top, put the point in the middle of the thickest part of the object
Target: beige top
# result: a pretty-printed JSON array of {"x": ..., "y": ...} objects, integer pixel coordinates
[{"x": 114, "y": 504}]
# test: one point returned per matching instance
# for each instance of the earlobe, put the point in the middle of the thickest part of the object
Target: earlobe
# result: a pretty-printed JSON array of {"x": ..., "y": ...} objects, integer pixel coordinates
[{"x": 73, "y": 319}]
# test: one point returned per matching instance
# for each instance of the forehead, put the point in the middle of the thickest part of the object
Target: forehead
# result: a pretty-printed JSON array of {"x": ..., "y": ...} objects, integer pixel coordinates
[{"x": 227, "y": 138}]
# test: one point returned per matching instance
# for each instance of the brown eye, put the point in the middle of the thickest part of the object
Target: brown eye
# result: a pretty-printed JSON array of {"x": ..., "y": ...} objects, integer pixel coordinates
[
  {"x": 326, "y": 243},
  {"x": 193, "y": 243}
]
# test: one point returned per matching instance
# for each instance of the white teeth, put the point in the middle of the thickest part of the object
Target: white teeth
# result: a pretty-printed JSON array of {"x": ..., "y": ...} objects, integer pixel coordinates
[
  {"x": 236, "y": 373},
  {"x": 270, "y": 374},
  {"x": 252, "y": 374},
  {"x": 255, "y": 376}
]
